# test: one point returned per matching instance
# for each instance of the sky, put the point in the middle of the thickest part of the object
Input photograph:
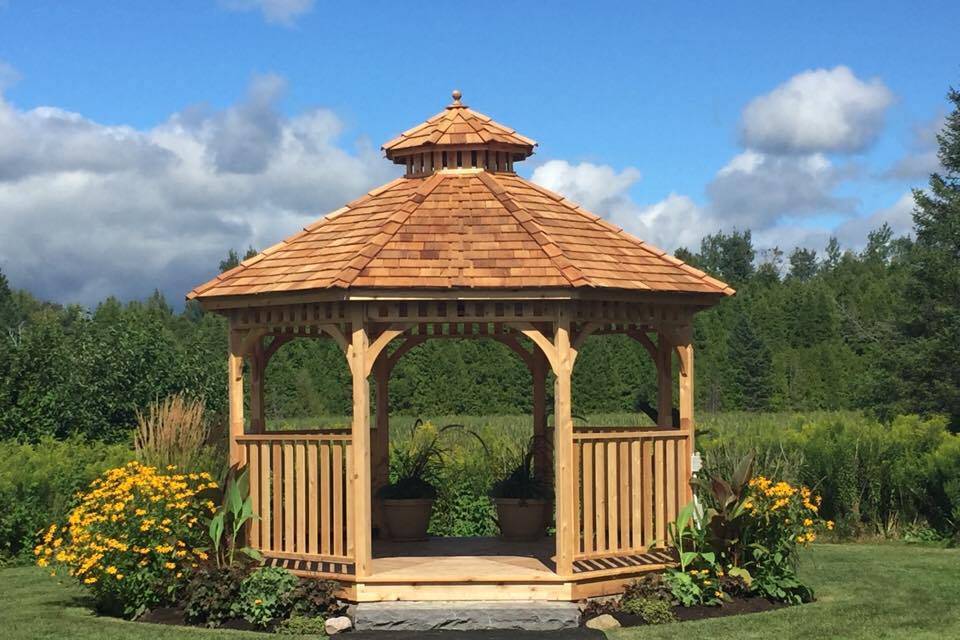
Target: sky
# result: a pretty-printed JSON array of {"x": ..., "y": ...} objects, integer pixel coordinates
[{"x": 140, "y": 141}]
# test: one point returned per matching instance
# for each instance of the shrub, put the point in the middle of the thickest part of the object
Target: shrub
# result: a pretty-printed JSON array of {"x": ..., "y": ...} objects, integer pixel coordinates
[
  {"x": 303, "y": 626},
  {"x": 266, "y": 596},
  {"x": 39, "y": 483},
  {"x": 172, "y": 432},
  {"x": 650, "y": 610},
  {"x": 650, "y": 585},
  {"x": 133, "y": 536},
  {"x": 316, "y": 598},
  {"x": 213, "y": 594}
]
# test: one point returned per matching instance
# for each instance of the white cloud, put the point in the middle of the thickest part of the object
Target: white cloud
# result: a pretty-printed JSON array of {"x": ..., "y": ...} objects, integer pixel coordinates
[
  {"x": 822, "y": 110},
  {"x": 8, "y": 75},
  {"x": 89, "y": 210},
  {"x": 284, "y": 12},
  {"x": 596, "y": 187},
  {"x": 899, "y": 215},
  {"x": 921, "y": 159}
]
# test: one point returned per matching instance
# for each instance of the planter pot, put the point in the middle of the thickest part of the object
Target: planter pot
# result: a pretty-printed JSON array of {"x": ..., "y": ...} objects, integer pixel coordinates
[
  {"x": 407, "y": 520},
  {"x": 521, "y": 519}
]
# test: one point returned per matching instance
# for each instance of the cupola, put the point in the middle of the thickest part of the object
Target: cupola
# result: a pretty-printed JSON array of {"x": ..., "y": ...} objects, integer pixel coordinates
[{"x": 458, "y": 138}]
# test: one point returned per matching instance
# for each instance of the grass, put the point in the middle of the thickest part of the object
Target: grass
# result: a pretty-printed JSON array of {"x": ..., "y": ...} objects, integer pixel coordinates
[{"x": 864, "y": 591}]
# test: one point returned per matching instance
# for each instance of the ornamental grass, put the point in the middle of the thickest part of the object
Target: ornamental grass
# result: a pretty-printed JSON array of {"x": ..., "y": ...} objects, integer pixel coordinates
[{"x": 133, "y": 537}]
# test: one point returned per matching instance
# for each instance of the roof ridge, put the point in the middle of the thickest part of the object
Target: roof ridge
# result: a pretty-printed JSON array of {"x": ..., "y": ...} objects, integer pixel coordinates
[
  {"x": 396, "y": 220},
  {"x": 641, "y": 244},
  {"x": 550, "y": 248},
  {"x": 249, "y": 262}
]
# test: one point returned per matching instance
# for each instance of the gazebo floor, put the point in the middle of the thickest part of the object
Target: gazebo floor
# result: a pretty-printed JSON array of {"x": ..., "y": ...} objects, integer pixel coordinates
[{"x": 489, "y": 569}]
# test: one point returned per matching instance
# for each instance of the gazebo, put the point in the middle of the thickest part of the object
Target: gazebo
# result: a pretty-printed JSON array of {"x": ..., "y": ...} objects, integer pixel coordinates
[{"x": 460, "y": 246}]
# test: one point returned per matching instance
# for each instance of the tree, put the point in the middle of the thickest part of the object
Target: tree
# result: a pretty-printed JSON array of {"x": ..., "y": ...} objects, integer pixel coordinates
[
  {"x": 803, "y": 263},
  {"x": 751, "y": 366},
  {"x": 730, "y": 257},
  {"x": 928, "y": 361},
  {"x": 233, "y": 259}
]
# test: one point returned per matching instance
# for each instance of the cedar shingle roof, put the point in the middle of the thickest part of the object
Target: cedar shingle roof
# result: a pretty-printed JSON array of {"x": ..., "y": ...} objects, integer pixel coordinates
[
  {"x": 463, "y": 228},
  {"x": 459, "y": 125}
]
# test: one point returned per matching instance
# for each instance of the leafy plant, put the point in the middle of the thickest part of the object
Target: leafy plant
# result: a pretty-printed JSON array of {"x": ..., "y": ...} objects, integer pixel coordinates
[
  {"x": 316, "y": 598},
  {"x": 415, "y": 462},
  {"x": 172, "y": 432},
  {"x": 302, "y": 626},
  {"x": 650, "y": 610},
  {"x": 227, "y": 524},
  {"x": 726, "y": 516},
  {"x": 266, "y": 596},
  {"x": 521, "y": 482},
  {"x": 213, "y": 594},
  {"x": 688, "y": 540}
]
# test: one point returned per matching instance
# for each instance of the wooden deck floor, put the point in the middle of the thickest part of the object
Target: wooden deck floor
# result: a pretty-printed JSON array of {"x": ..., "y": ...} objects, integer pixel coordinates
[{"x": 463, "y": 560}]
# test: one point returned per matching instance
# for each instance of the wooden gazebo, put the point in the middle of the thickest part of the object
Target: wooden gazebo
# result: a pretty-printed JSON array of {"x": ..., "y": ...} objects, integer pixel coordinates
[{"x": 462, "y": 247}]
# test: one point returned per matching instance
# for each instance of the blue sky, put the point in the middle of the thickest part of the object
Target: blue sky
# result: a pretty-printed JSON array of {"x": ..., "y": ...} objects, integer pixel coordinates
[{"x": 673, "y": 120}]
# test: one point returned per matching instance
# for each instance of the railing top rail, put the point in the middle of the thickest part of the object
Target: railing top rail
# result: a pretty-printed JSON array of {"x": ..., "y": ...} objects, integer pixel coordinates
[
  {"x": 621, "y": 433},
  {"x": 297, "y": 436}
]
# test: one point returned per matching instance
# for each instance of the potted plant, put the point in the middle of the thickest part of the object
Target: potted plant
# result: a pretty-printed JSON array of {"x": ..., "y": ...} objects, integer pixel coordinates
[
  {"x": 408, "y": 498},
  {"x": 523, "y": 499}
]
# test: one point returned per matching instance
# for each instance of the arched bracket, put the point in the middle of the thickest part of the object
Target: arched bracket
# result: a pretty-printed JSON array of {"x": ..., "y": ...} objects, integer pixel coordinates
[
  {"x": 644, "y": 339},
  {"x": 378, "y": 345},
  {"x": 390, "y": 361},
  {"x": 547, "y": 346},
  {"x": 584, "y": 333},
  {"x": 275, "y": 344},
  {"x": 516, "y": 347},
  {"x": 334, "y": 332}
]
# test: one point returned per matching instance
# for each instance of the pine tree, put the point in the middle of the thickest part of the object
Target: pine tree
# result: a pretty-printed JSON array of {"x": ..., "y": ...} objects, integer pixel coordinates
[
  {"x": 929, "y": 358},
  {"x": 751, "y": 366}
]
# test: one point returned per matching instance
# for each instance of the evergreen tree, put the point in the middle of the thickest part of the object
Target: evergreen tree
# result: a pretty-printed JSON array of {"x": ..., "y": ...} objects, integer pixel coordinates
[
  {"x": 803, "y": 263},
  {"x": 729, "y": 257},
  {"x": 233, "y": 259},
  {"x": 928, "y": 362},
  {"x": 750, "y": 367}
]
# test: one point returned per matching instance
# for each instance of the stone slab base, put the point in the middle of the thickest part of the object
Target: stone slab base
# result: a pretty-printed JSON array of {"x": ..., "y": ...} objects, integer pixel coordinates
[{"x": 466, "y": 615}]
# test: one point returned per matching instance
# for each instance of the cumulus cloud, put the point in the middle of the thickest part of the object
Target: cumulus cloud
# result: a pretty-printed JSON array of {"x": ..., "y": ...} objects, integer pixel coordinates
[
  {"x": 822, "y": 110},
  {"x": 283, "y": 12},
  {"x": 921, "y": 159},
  {"x": 90, "y": 210}
]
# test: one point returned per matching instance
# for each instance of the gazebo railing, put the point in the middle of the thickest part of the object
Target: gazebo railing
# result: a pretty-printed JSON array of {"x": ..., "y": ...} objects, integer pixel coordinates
[
  {"x": 300, "y": 492},
  {"x": 631, "y": 481}
]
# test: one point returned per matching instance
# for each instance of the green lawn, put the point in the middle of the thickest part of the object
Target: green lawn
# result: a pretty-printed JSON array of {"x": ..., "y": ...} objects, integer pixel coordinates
[{"x": 863, "y": 591}]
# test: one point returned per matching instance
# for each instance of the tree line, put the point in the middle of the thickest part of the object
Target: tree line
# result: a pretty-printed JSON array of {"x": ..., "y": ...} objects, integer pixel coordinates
[{"x": 876, "y": 329}]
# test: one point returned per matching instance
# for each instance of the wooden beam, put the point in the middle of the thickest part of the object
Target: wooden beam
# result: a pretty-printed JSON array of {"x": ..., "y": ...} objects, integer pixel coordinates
[
  {"x": 644, "y": 339},
  {"x": 360, "y": 471},
  {"x": 275, "y": 344},
  {"x": 380, "y": 444},
  {"x": 543, "y": 458},
  {"x": 257, "y": 367},
  {"x": 562, "y": 362},
  {"x": 516, "y": 347},
  {"x": 549, "y": 348},
  {"x": 584, "y": 333},
  {"x": 664, "y": 381},
  {"x": 235, "y": 397},
  {"x": 334, "y": 332},
  {"x": 405, "y": 346},
  {"x": 378, "y": 345}
]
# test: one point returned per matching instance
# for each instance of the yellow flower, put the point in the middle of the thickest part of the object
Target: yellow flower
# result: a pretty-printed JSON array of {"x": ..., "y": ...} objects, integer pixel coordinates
[
  {"x": 800, "y": 539},
  {"x": 169, "y": 565},
  {"x": 258, "y": 601},
  {"x": 830, "y": 524},
  {"x": 141, "y": 512},
  {"x": 119, "y": 576},
  {"x": 90, "y": 580},
  {"x": 808, "y": 522},
  {"x": 111, "y": 569}
]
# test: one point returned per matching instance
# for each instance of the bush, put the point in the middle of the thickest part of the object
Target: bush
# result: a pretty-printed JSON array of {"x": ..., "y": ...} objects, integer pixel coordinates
[
  {"x": 133, "y": 537},
  {"x": 39, "y": 483},
  {"x": 303, "y": 626},
  {"x": 266, "y": 596},
  {"x": 650, "y": 610},
  {"x": 316, "y": 598},
  {"x": 172, "y": 432},
  {"x": 213, "y": 594}
]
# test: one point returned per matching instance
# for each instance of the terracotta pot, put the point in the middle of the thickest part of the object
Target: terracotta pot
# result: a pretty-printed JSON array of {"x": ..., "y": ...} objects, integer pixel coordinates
[
  {"x": 407, "y": 520},
  {"x": 521, "y": 519}
]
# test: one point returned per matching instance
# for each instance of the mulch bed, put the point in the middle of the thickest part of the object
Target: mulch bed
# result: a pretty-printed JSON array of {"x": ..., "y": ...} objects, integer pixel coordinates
[
  {"x": 737, "y": 607},
  {"x": 177, "y": 617}
]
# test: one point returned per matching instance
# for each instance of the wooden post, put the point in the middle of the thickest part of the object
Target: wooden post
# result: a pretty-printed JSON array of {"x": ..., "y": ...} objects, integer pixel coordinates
[
  {"x": 360, "y": 435},
  {"x": 235, "y": 396},
  {"x": 687, "y": 423},
  {"x": 563, "y": 443},
  {"x": 664, "y": 381},
  {"x": 543, "y": 460},
  {"x": 257, "y": 368},
  {"x": 380, "y": 442}
]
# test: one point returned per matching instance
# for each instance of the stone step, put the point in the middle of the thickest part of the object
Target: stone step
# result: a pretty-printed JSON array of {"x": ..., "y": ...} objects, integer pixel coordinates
[{"x": 466, "y": 615}]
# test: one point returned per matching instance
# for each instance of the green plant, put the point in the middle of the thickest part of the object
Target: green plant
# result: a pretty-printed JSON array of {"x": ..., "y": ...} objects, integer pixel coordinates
[
  {"x": 725, "y": 516},
  {"x": 133, "y": 537},
  {"x": 650, "y": 610},
  {"x": 266, "y": 596},
  {"x": 213, "y": 594},
  {"x": 302, "y": 626},
  {"x": 650, "y": 585},
  {"x": 687, "y": 539},
  {"x": 520, "y": 481},
  {"x": 415, "y": 462},
  {"x": 227, "y": 523},
  {"x": 172, "y": 432},
  {"x": 316, "y": 598}
]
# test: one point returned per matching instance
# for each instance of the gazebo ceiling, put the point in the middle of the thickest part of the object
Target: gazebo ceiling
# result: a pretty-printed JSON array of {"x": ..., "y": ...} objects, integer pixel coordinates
[{"x": 460, "y": 219}]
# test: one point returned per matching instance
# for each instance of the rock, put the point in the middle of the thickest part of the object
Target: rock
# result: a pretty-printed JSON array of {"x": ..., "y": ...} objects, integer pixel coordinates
[
  {"x": 337, "y": 625},
  {"x": 602, "y": 623},
  {"x": 466, "y": 616}
]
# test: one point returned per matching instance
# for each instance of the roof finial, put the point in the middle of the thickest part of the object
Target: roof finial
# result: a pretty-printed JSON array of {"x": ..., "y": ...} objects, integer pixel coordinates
[{"x": 456, "y": 97}]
